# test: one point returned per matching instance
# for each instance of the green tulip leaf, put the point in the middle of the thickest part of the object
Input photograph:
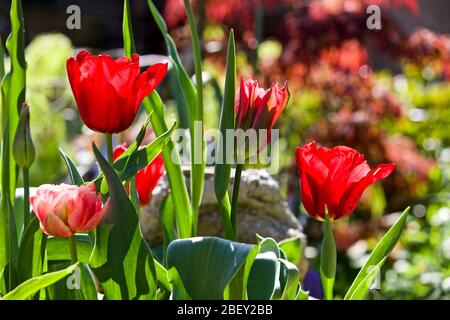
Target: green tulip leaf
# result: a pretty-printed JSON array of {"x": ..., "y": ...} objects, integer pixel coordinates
[
  {"x": 378, "y": 255},
  {"x": 292, "y": 248},
  {"x": 290, "y": 282},
  {"x": 32, "y": 286},
  {"x": 75, "y": 176},
  {"x": 121, "y": 259},
  {"x": 222, "y": 169},
  {"x": 206, "y": 265},
  {"x": 364, "y": 286},
  {"x": 31, "y": 256},
  {"x": 13, "y": 93},
  {"x": 263, "y": 277},
  {"x": 127, "y": 28},
  {"x": 154, "y": 104}
]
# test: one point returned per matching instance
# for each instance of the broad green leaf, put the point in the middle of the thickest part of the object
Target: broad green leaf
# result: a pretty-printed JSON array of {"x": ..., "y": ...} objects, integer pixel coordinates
[
  {"x": 31, "y": 255},
  {"x": 206, "y": 264},
  {"x": 58, "y": 248},
  {"x": 264, "y": 275},
  {"x": 382, "y": 250},
  {"x": 13, "y": 88},
  {"x": 269, "y": 245},
  {"x": 172, "y": 163},
  {"x": 198, "y": 143},
  {"x": 292, "y": 248},
  {"x": 328, "y": 260},
  {"x": 290, "y": 281},
  {"x": 364, "y": 286},
  {"x": 120, "y": 259},
  {"x": 75, "y": 176},
  {"x": 223, "y": 168},
  {"x": 238, "y": 286},
  {"x": 127, "y": 29},
  {"x": 32, "y": 286}
]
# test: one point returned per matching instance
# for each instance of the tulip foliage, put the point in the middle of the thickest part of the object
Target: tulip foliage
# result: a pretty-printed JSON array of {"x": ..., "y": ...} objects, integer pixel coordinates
[{"x": 84, "y": 241}]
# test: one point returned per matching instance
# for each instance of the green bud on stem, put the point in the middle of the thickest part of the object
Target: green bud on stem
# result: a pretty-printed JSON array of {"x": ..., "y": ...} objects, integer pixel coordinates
[{"x": 24, "y": 151}]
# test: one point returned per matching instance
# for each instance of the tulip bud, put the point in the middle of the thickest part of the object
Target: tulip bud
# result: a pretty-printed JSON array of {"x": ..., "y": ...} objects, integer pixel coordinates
[{"x": 23, "y": 147}]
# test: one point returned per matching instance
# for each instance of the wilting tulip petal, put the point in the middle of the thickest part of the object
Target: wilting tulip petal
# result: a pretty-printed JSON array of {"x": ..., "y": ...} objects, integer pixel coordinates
[
  {"x": 334, "y": 179},
  {"x": 108, "y": 92}
]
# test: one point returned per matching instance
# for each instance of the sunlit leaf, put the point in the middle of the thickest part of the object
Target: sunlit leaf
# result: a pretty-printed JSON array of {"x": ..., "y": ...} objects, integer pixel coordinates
[
  {"x": 197, "y": 169},
  {"x": 206, "y": 264},
  {"x": 121, "y": 258},
  {"x": 154, "y": 104},
  {"x": 13, "y": 87},
  {"x": 292, "y": 248},
  {"x": 75, "y": 176},
  {"x": 32, "y": 286},
  {"x": 223, "y": 169},
  {"x": 378, "y": 255}
]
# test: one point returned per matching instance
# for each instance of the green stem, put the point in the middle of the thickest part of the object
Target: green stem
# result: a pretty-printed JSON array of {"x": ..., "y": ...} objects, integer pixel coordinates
[
  {"x": 235, "y": 197},
  {"x": 224, "y": 208},
  {"x": 26, "y": 196},
  {"x": 109, "y": 147},
  {"x": 328, "y": 259},
  {"x": 73, "y": 250},
  {"x": 73, "y": 260}
]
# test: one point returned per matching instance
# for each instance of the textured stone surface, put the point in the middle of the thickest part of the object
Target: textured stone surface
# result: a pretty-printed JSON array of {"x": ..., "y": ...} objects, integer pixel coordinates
[{"x": 261, "y": 210}]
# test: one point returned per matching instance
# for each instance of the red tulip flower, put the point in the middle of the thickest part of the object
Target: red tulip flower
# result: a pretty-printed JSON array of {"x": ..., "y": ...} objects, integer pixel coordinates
[
  {"x": 64, "y": 210},
  {"x": 334, "y": 179},
  {"x": 109, "y": 92},
  {"x": 147, "y": 178},
  {"x": 258, "y": 108}
]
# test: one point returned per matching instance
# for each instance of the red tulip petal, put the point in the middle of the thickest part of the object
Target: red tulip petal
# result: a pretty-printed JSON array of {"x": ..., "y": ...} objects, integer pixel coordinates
[
  {"x": 82, "y": 55},
  {"x": 97, "y": 218},
  {"x": 147, "y": 179},
  {"x": 119, "y": 150},
  {"x": 313, "y": 175},
  {"x": 149, "y": 80},
  {"x": 351, "y": 198},
  {"x": 54, "y": 226}
]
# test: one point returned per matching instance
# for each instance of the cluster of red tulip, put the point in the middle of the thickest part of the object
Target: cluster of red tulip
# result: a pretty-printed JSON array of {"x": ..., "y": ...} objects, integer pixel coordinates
[{"x": 108, "y": 94}]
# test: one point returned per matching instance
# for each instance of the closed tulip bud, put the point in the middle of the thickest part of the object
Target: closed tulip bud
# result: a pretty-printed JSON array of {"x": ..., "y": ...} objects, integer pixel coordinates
[{"x": 23, "y": 148}]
